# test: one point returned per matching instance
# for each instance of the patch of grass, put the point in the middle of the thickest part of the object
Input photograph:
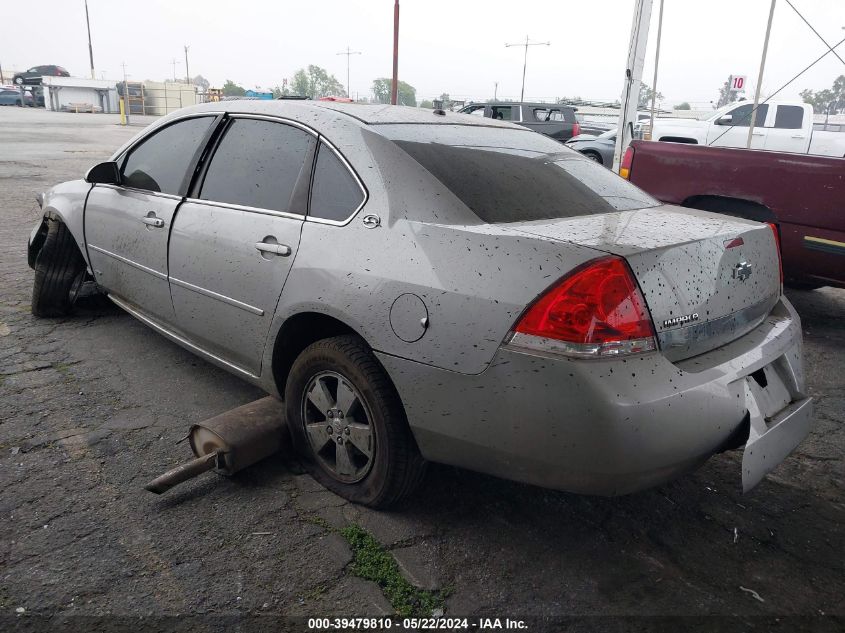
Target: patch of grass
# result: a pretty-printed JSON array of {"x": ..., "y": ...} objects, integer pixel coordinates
[
  {"x": 319, "y": 521},
  {"x": 371, "y": 561}
]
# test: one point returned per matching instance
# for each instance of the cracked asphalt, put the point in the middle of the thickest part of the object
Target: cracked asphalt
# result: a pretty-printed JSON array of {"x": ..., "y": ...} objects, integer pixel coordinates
[{"x": 91, "y": 408}]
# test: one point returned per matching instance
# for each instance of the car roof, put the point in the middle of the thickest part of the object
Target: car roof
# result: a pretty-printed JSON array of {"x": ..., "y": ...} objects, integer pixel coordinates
[{"x": 366, "y": 114}]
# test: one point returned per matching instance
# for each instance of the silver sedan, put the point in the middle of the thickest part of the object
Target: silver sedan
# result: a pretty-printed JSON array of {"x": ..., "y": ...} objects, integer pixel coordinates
[{"x": 422, "y": 286}]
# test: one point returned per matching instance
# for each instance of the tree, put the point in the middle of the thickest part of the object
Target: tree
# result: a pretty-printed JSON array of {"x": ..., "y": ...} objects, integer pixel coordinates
[
  {"x": 425, "y": 103},
  {"x": 315, "y": 82},
  {"x": 406, "y": 93},
  {"x": 725, "y": 94},
  {"x": 646, "y": 94},
  {"x": 829, "y": 101},
  {"x": 683, "y": 106},
  {"x": 201, "y": 81},
  {"x": 231, "y": 89}
]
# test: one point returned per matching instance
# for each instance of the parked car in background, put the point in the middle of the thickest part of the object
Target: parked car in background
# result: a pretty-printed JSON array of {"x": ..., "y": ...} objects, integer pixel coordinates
[
  {"x": 597, "y": 148},
  {"x": 429, "y": 286},
  {"x": 555, "y": 121},
  {"x": 802, "y": 195},
  {"x": 779, "y": 126},
  {"x": 32, "y": 77},
  {"x": 13, "y": 97}
]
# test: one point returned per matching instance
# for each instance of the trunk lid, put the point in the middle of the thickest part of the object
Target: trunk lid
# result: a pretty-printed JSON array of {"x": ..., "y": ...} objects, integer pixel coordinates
[{"x": 707, "y": 278}]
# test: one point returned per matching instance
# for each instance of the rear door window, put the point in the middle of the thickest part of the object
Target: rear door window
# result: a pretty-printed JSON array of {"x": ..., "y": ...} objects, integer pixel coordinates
[
  {"x": 335, "y": 193},
  {"x": 160, "y": 162},
  {"x": 789, "y": 117},
  {"x": 257, "y": 164},
  {"x": 516, "y": 176}
]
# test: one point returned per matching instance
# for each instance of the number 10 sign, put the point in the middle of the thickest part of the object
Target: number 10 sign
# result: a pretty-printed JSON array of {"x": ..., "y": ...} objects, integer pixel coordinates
[{"x": 737, "y": 83}]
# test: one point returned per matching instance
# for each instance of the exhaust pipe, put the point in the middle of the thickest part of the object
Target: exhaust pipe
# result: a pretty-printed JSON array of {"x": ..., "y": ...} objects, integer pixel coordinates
[{"x": 229, "y": 442}]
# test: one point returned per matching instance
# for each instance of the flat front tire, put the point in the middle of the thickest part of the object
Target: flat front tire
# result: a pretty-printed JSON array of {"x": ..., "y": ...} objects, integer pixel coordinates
[
  {"x": 59, "y": 273},
  {"x": 348, "y": 423}
]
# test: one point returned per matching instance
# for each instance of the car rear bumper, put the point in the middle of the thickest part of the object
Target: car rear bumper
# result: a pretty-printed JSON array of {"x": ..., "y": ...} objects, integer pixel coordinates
[{"x": 613, "y": 426}]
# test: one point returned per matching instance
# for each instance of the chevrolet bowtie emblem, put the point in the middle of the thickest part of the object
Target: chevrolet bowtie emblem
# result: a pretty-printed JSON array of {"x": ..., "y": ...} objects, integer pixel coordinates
[{"x": 742, "y": 271}]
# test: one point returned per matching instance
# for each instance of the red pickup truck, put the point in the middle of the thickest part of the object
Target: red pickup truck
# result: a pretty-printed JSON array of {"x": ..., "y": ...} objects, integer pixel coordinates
[{"x": 803, "y": 195}]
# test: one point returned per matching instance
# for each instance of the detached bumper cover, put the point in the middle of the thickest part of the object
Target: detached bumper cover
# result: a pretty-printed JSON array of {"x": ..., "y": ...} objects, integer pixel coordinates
[{"x": 770, "y": 441}]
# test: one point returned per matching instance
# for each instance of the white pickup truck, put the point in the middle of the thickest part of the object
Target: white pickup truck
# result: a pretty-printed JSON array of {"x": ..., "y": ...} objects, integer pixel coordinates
[{"x": 780, "y": 127}]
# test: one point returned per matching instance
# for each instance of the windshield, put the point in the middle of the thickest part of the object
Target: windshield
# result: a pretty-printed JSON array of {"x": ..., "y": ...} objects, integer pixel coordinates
[
  {"x": 506, "y": 175},
  {"x": 608, "y": 134}
]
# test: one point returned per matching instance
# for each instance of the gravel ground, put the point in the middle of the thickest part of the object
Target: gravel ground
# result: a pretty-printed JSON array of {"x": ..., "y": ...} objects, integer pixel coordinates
[{"x": 91, "y": 407}]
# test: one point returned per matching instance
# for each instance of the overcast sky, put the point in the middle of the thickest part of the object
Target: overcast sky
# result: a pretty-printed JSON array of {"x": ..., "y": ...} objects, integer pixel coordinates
[{"x": 445, "y": 46}]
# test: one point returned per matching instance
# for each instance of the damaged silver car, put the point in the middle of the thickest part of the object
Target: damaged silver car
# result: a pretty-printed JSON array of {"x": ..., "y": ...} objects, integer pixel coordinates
[{"x": 422, "y": 286}]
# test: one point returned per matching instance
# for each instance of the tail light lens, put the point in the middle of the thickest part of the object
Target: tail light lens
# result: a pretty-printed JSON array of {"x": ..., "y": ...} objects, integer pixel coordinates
[
  {"x": 627, "y": 161},
  {"x": 595, "y": 311},
  {"x": 576, "y": 129},
  {"x": 775, "y": 232}
]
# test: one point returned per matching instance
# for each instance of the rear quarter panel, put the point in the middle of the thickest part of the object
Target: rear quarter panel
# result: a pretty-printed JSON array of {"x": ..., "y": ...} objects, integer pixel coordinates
[{"x": 805, "y": 193}]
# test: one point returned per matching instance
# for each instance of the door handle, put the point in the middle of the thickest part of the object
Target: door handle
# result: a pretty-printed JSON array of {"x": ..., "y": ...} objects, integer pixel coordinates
[
  {"x": 757, "y": 134},
  {"x": 799, "y": 136},
  {"x": 274, "y": 249},
  {"x": 153, "y": 221}
]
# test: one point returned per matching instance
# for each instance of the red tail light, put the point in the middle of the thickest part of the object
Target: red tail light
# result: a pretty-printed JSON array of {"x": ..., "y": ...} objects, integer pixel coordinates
[
  {"x": 597, "y": 310},
  {"x": 576, "y": 129},
  {"x": 627, "y": 161},
  {"x": 775, "y": 232}
]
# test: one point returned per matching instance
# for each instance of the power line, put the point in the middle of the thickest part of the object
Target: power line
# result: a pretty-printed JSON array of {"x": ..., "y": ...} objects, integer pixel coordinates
[{"x": 814, "y": 31}]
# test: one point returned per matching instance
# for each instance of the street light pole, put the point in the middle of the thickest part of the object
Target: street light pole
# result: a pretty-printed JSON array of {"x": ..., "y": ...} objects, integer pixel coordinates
[
  {"x": 90, "y": 48},
  {"x": 348, "y": 52},
  {"x": 526, "y": 44},
  {"x": 760, "y": 76},
  {"x": 187, "y": 72},
  {"x": 394, "y": 88}
]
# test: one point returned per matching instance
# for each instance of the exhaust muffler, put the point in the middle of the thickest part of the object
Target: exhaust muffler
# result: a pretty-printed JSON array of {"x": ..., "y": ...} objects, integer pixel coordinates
[{"x": 230, "y": 442}]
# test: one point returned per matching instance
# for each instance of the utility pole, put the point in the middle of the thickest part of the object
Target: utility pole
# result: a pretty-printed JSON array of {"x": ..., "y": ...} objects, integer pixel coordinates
[
  {"x": 633, "y": 78},
  {"x": 187, "y": 72},
  {"x": 125, "y": 95},
  {"x": 656, "y": 63},
  {"x": 173, "y": 63},
  {"x": 760, "y": 76},
  {"x": 526, "y": 44},
  {"x": 495, "y": 90},
  {"x": 348, "y": 52},
  {"x": 90, "y": 48},
  {"x": 394, "y": 88}
]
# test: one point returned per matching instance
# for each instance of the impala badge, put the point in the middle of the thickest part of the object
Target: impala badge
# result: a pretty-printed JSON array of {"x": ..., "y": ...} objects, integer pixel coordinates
[
  {"x": 742, "y": 271},
  {"x": 681, "y": 320}
]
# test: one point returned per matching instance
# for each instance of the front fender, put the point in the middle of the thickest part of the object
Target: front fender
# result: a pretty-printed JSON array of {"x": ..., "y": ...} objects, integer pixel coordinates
[{"x": 64, "y": 203}]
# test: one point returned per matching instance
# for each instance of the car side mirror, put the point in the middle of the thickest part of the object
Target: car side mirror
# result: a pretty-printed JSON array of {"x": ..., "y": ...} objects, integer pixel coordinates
[
  {"x": 106, "y": 173},
  {"x": 726, "y": 120}
]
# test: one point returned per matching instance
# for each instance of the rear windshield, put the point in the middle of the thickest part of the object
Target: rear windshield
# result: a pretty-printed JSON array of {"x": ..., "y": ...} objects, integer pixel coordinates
[{"x": 505, "y": 175}]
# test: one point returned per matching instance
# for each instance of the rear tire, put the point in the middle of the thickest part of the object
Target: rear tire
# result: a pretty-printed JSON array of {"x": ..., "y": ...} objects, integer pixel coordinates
[
  {"x": 593, "y": 156},
  {"x": 59, "y": 273},
  {"x": 377, "y": 419}
]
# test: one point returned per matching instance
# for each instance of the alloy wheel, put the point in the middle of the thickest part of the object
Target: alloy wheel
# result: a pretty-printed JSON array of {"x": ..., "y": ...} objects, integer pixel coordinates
[{"x": 339, "y": 427}]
